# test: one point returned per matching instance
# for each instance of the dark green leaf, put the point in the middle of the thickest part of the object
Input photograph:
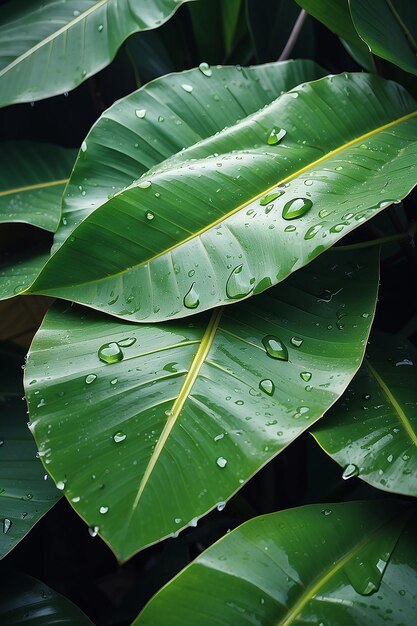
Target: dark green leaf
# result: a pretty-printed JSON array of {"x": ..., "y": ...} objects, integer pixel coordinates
[
  {"x": 245, "y": 206},
  {"x": 372, "y": 431},
  {"x": 25, "y": 495},
  {"x": 350, "y": 563},
  {"x": 149, "y": 427}
]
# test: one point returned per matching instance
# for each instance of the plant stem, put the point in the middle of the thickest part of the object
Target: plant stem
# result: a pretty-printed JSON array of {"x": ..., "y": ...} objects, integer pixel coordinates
[{"x": 294, "y": 36}]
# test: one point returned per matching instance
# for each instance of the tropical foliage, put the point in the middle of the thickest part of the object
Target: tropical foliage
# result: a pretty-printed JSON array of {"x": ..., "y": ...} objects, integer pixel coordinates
[{"x": 209, "y": 262}]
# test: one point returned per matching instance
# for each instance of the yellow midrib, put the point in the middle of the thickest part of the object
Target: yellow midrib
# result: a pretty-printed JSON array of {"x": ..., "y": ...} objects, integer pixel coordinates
[
  {"x": 221, "y": 219},
  {"x": 392, "y": 400},
  {"x": 51, "y": 183},
  {"x": 198, "y": 360}
]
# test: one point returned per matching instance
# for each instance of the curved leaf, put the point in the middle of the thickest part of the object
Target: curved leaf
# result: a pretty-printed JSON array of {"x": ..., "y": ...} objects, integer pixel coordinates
[
  {"x": 389, "y": 28},
  {"x": 32, "y": 179},
  {"x": 25, "y": 496},
  {"x": 50, "y": 48},
  {"x": 372, "y": 430},
  {"x": 160, "y": 119},
  {"x": 25, "y": 600},
  {"x": 315, "y": 564},
  {"x": 148, "y": 443},
  {"x": 18, "y": 271},
  {"x": 232, "y": 215}
]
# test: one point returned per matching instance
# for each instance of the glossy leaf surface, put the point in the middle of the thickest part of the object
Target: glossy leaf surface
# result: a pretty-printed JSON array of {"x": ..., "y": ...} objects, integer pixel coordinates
[
  {"x": 149, "y": 427},
  {"x": 372, "y": 431},
  {"x": 251, "y": 201},
  {"x": 50, "y": 48},
  {"x": 349, "y": 563},
  {"x": 18, "y": 272},
  {"x": 159, "y": 120},
  {"x": 389, "y": 28},
  {"x": 25, "y": 600},
  {"x": 25, "y": 496},
  {"x": 32, "y": 179}
]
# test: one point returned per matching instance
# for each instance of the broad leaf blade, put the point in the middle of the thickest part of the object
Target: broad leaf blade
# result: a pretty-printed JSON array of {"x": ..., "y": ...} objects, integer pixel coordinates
[
  {"x": 18, "y": 272},
  {"x": 372, "y": 430},
  {"x": 233, "y": 215},
  {"x": 159, "y": 120},
  {"x": 318, "y": 562},
  {"x": 50, "y": 48},
  {"x": 193, "y": 409},
  {"x": 389, "y": 28},
  {"x": 25, "y": 496},
  {"x": 25, "y": 600},
  {"x": 32, "y": 179}
]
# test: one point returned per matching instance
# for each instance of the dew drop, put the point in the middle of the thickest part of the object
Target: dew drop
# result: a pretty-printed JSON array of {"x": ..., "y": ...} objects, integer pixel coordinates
[
  {"x": 218, "y": 437},
  {"x": 290, "y": 229},
  {"x": 140, "y": 113},
  {"x": 126, "y": 343},
  {"x": 350, "y": 471},
  {"x": 270, "y": 197},
  {"x": 220, "y": 506},
  {"x": 149, "y": 215},
  {"x": 60, "y": 485},
  {"x": 191, "y": 298},
  {"x": 7, "y": 524},
  {"x": 239, "y": 284},
  {"x": 205, "y": 69},
  {"x": 296, "y": 208},
  {"x": 93, "y": 531},
  {"x": 110, "y": 353},
  {"x": 267, "y": 386},
  {"x": 312, "y": 231},
  {"x": 90, "y": 378},
  {"x": 306, "y": 376},
  {"x": 404, "y": 362},
  {"x": 324, "y": 213},
  {"x": 221, "y": 462},
  {"x": 84, "y": 146},
  {"x": 275, "y": 348},
  {"x": 100, "y": 28},
  {"x": 119, "y": 436},
  {"x": 193, "y": 523},
  {"x": 144, "y": 184},
  {"x": 275, "y": 136},
  {"x": 297, "y": 342},
  {"x": 103, "y": 509},
  {"x": 327, "y": 512},
  {"x": 187, "y": 88}
]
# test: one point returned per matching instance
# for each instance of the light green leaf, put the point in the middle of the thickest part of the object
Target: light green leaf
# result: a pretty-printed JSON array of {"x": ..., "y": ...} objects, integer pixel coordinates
[
  {"x": 159, "y": 120},
  {"x": 32, "y": 179},
  {"x": 389, "y": 28},
  {"x": 349, "y": 563},
  {"x": 25, "y": 600},
  {"x": 50, "y": 48},
  {"x": 162, "y": 423},
  {"x": 233, "y": 215},
  {"x": 372, "y": 431},
  {"x": 25, "y": 495}
]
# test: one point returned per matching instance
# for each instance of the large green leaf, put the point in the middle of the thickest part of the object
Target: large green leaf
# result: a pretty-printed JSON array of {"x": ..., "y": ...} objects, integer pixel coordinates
[
  {"x": 25, "y": 495},
  {"x": 32, "y": 179},
  {"x": 19, "y": 270},
  {"x": 146, "y": 444},
  {"x": 389, "y": 28},
  {"x": 50, "y": 48},
  {"x": 372, "y": 430},
  {"x": 339, "y": 564},
  {"x": 232, "y": 215},
  {"x": 157, "y": 121},
  {"x": 25, "y": 600}
]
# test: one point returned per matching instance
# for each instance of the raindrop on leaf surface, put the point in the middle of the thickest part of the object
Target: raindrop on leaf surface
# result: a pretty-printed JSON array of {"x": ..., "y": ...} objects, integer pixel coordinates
[
  {"x": 266, "y": 385},
  {"x": 296, "y": 208},
  {"x": 191, "y": 298},
  {"x": 221, "y": 462},
  {"x": 350, "y": 471},
  {"x": 270, "y": 197},
  {"x": 110, "y": 353},
  {"x": 205, "y": 69},
  {"x": 275, "y": 136},
  {"x": 275, "y": 348},
  {"x": 239, "y": 284},
  {"x": 119, "y": 436}
]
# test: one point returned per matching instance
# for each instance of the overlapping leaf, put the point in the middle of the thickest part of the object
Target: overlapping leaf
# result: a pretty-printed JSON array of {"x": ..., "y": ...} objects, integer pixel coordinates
[
  {"x": 25, "y": 495},
  {"x": 32, "y": 179},
  {"x": 313, "y": 564},
  {"x": 50, "y": 48},
  {"x": 149, "y": 427},
  {"x": 372, "y": 430},
  {"x": 389, "y": 28},
  {"x": 234, "y": 214}
]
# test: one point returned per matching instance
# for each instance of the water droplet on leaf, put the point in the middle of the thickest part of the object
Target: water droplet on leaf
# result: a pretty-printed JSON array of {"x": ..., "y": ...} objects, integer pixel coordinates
[
  {"x": 275, "y": 348},
  {"x": 221, "y": 462},
  {"x": 205, "y": 69},
  {"x": 90, "y": 378},
  {"x": 239, "y": 284},
  {"x": 267, "y": 386},
  {"x": 110, "y": 353},
  {"x": 275, "y": 136},
  {"x": 350, "y": 471},
  {"x": 119, "y": 436},
  {"x": 296, "y": 208},
  {"x": 191, "y": 298}
]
